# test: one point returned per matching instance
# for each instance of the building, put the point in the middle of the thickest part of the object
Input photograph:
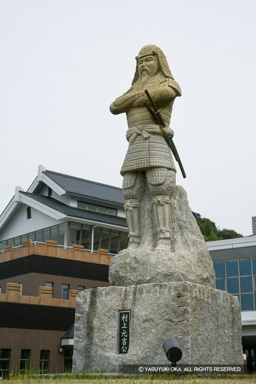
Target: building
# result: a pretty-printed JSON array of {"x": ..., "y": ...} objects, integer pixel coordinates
[
  {"x": 235, "y": 268},
  {"x": 67, "y": 209},
  {"x": 56, "y": 239}
]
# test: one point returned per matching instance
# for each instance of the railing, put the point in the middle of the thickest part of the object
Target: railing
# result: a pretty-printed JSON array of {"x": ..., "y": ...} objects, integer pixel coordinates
[
  {"x": 58, "y": 245},
  {"x": 35, "y": 242}
]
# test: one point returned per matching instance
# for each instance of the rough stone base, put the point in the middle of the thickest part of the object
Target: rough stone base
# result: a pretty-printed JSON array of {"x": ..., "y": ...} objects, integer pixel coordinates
[
  {"x": 188, "y": 258},
  {"x": 205, "y": 321}
]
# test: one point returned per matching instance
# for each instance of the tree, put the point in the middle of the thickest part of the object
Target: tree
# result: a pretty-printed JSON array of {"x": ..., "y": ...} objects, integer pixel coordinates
[
  {"x": 229, "y": 234},
  {"x": 211, "y": 232}
]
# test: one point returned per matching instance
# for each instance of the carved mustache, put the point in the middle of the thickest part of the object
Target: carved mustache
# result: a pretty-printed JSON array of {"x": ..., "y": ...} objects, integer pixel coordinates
[{"x": 144, "y": 69}]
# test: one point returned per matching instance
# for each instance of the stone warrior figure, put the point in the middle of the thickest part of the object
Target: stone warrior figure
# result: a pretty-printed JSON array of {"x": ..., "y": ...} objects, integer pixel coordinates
[{"x": 148, "y": 158}]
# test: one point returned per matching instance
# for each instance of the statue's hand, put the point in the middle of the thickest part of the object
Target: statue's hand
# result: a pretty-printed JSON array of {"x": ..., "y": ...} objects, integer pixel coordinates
[
  {"x": 123, "y": 103},
  {"x": 141, "y": 99},
  {"x": 169, "y": 132}
]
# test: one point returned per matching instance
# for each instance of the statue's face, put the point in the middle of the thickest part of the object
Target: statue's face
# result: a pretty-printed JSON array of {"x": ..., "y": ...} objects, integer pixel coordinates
[{"x": 147, "y": 65}]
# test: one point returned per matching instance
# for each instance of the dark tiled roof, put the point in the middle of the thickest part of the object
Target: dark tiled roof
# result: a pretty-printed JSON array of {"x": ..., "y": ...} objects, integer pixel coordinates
[
  {"x": 76, "y": 212},
  {"x": 87, "y": 188}
]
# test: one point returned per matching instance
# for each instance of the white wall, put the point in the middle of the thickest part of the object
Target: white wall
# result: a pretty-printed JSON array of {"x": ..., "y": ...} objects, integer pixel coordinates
[
  {"x": 121, "y": 213},
  {"x": 66, "y": 199},
  {"x": 18, "y": 224}
]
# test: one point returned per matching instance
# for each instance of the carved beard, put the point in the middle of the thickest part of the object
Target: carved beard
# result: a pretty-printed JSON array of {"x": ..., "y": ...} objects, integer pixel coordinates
[
  {"x": 145, "y": 76},
  {"x": 146, "y": 72}
]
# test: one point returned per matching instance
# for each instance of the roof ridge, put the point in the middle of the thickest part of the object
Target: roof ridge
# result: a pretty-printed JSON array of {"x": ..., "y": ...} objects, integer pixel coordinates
[{"x": 80, "y": 178}]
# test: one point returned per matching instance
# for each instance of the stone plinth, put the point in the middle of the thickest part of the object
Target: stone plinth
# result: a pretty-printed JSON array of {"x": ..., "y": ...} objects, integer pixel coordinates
[{"x": 205, "y": 321}]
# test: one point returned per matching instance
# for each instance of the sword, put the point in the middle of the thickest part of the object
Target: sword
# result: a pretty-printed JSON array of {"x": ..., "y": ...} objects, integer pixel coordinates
[{"x": 158, "y": 119}]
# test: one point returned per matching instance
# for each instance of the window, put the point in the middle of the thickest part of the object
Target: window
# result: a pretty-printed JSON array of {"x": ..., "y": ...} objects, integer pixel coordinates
[
  {"x": 220, "y": 284},
  {"x": 123, "y": 241},
  {"x": 17, "y": 241},
  {"x": 65, "y": 291},
  {"x": 68, "y": 354},
  {"x": 28, "y": 212},
  {"x": 105, "y": 238},
  {"x": 233, "y": 285},
  {"x": 114, "y": 243},
  {"x": 51, "y": 285},
  {"x": 80, "y": 287},
  {"x": 86, "y": 237},
  {"x": 251, "y": 359},
  {"x": 46, "y": 234},
  {"x": 21, "y": 288},
  {"x": 44, "y": 361},
  {"x": 75, "y": 233},
  {"x": 232, "y": 268},
  {"x": 246, "y": 284},
  {"x": 49, "y": 191},
  {"x": 32, "y": 236},
  {"x": 54, "y": 233},
  {"x": 245, "y": 267},
  {"x": 97, "y": 238},
  {"x": 96, "y": 208},
  {"x": 238, "y": 277},
  {"x": 24, "y": 360},
  {"x": 247, "y": 302},
  {"x": 62, "y": 233},
  {"x": 219, "y": 269},
  {"x": 5, "y": 355},
  {"x": 3, "y": 245},
  {"x": 82, "y": 205},
  {"x": 91, "y": 207},
  {"x": 39, "y": 236},
  {"x": 24, "y": 238}
]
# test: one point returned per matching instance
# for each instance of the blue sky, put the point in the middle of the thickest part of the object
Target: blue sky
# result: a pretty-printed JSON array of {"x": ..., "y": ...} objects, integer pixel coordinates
[{"x": 64, "y": 61}]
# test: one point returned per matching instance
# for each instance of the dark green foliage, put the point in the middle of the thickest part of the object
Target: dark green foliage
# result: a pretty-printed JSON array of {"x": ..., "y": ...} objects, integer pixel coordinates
[
  {"x": 211, "y": 232},
  {"x": 229, "y": 234}
]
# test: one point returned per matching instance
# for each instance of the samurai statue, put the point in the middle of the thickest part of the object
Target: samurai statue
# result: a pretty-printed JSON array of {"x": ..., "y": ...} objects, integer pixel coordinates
[{"x": 149, "y": 160}]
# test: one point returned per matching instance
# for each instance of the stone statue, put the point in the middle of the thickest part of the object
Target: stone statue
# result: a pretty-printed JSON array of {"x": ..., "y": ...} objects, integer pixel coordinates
[
  {"x": 165, "y": 243},
  {"x": 164, "y": 282},
  {"x": 149, "y": 159}
]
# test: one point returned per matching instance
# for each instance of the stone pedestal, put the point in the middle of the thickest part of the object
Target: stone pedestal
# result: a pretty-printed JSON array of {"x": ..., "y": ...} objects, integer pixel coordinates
[{"x": 206, "y": 322}]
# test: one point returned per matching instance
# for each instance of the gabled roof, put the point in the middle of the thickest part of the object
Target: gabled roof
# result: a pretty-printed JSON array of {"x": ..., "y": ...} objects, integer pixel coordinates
[
  {"x": 76, "y": 212},
  {"x": 61, "y": 184},
  {"x": 86, "y": 188}
]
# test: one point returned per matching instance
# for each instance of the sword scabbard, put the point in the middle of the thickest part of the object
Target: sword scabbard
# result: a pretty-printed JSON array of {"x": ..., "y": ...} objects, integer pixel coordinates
[{"x": 158, "y": 119}]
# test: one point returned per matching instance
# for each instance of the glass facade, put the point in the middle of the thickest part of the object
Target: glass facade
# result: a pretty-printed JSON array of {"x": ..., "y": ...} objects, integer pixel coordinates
[
  {"x": 56, "y": 232},
  {"x": 69, "y": 234},
  {"x": 238, "y": 277}
]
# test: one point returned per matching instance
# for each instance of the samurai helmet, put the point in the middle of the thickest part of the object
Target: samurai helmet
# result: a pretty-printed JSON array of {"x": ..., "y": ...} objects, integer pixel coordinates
[{"x": 162, "y": 62}]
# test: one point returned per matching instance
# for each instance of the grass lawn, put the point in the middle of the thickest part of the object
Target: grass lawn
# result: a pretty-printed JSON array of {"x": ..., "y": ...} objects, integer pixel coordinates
[{"x": 164, "y": 379}]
